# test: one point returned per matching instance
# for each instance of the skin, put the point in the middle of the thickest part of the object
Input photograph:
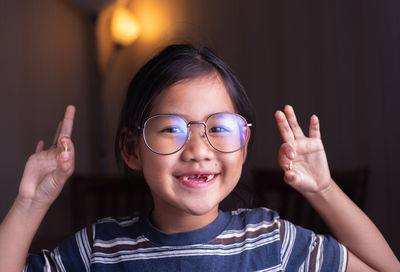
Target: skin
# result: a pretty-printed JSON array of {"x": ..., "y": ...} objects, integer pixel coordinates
[
  {"x": 45, "y": 174},
  {"x": 189, "y": 208},
  {"x": 47, "y": 171},
  {"x": 368, "y": 250}
]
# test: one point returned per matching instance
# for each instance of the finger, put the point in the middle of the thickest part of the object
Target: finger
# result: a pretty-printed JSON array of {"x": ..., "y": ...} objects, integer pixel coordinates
[
  {"x": 67, "y": 123},
  {"x": 314, "y": 130},
  {"x": 286, "y": 155},
  {"x": 283, "y": 127},
  {"x": 39, "y": 146},
  {"x": 57, "y": 133},
  {"x": 66, "y": 149},
  {"x": 66, "y": 160},
  {"x": 292, "y": 178},
  {"x": 291, "y": 117}
]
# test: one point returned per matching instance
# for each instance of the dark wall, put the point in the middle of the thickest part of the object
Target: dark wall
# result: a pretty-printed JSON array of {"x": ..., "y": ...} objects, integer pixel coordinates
[{"x": 337, "y": 59}]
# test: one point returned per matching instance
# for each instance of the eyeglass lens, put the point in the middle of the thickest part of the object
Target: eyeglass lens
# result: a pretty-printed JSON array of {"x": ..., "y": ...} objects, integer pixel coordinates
[{"x": 166, "y": 134}]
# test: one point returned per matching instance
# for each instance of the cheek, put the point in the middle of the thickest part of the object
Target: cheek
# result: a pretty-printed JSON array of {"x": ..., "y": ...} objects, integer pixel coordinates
[
  {"x": 233, "y": 164},
  {"x": 156, "y": 167},
  {"x": 237, "y": 158}
]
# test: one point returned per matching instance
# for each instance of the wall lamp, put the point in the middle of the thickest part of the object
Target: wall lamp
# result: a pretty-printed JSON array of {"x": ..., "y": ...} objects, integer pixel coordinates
[{"x": 124, "y": 27}]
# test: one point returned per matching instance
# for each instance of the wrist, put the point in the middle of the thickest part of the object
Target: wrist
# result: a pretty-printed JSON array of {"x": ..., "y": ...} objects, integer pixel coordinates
[
  {"x": 322, "y": 194},
  {"x": 28, "y": 206}
]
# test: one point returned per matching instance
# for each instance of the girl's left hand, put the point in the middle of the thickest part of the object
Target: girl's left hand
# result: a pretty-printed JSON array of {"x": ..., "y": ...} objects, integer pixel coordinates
[{"x": 302, "y": 158}]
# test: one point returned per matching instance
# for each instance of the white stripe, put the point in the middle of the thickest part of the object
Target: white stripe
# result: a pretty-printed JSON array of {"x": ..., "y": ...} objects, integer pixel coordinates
[
  {"x": 175, "y": 252},
  {"x": 198, "y": 247},
  {"x": 86, "y": 243},
  {"x": 239, "y": 211},
  {"x": 302, "y": 268},
  {"x": 274, "y": 233},
  {"x": 140, "y": 239},
  {"x": 124, "y": 223},
  {"x": 57, "y": 260},
  {"x": 288, "y": 242},
  {"x": 248, "y": 228},
  {"x": 271, "y": 269},
  {"x": 285, "y": 238},
  {"x": 343, "y": 258},
  {"x": 93, "y": 232},
  {"x": 242, "y": 210},
  {"x": 311, "y": 248},
  {"x": 320, "y": 255},
  {"x": 130, "y": 257},
  {"x": 88, "y": 247},
  {"x": 82, "y": 242},
  {"x": 47, "y": 266},
  {"x": 120, "y": 241}
]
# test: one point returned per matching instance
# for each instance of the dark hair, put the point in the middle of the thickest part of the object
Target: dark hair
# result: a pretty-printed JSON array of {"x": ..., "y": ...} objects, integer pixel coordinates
[{"x": 173, "y": 64}]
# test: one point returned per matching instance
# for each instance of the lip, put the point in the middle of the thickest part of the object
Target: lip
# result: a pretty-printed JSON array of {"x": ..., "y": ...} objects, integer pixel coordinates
[{"x": 196, "y": 185}]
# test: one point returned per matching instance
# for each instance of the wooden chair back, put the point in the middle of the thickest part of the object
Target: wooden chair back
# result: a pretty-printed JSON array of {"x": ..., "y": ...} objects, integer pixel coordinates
[
  {"x": 272, "y": 192},
  {"x": 95, "y": 197}
]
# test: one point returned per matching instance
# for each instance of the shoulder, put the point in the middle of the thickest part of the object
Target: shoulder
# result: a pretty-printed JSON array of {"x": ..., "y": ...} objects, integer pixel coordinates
[
  {"x": 254, "y": 222},
  {"x": 264, "y": 216},
  {"x": 298, "y": 247},
  {"x": 113, "y": 227},
  {"x": 256, "y": 214},
  {"x": 118, "y": 222},
  {"x": 109, "y": 228},
  {"x": 303, "y": 248}
]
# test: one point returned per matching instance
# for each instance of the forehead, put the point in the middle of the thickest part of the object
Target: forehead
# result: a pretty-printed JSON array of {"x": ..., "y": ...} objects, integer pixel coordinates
[{"x": 194, "y": 99}]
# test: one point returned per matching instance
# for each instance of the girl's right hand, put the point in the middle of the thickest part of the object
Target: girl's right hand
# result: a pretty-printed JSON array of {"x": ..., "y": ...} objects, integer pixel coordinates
[{"x": 46, "y": 171}]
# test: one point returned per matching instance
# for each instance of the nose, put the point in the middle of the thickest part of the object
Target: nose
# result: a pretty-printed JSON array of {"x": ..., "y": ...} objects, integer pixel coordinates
[{"x": 197, "y": 147}]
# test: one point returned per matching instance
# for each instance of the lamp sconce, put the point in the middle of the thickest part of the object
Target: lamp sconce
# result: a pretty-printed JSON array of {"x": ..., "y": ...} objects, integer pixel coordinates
[
  {"x": 121, "y": 28},
  {"x": 124, "y": 28}
]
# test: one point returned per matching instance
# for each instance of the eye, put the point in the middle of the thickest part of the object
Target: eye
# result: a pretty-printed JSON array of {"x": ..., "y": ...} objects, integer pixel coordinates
[
  {"x": 173, "y": 130},
  {"x": 219, "y": 130}
]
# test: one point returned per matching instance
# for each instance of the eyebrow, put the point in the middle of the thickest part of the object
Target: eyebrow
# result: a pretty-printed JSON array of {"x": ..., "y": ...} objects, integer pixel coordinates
[{"x": 187, "y": 119}]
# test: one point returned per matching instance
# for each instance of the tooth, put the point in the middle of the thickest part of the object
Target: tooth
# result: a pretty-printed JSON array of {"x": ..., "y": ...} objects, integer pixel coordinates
[
  {"x": 210, "y": 177},
  {"x": 186, "y": 178}
]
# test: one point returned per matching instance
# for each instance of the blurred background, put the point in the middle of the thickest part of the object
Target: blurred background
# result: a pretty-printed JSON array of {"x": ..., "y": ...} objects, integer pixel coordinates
[{"x": 338, "y": 59}]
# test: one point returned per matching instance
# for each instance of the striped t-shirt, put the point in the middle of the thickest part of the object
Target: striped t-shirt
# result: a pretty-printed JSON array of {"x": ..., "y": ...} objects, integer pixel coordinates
[{"x": 241, "y": 240}]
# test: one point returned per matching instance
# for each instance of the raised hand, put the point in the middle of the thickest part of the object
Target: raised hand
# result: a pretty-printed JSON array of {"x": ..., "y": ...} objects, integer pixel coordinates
[
  {"x": 302, "y": 158},
  {"x": 46, "y": 171}
]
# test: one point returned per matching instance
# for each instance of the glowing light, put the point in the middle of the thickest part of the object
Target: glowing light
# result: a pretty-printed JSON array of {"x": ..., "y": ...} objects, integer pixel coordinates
[
  {"x": 161, "y": 21},
  {"x": 125, "y": 28}
]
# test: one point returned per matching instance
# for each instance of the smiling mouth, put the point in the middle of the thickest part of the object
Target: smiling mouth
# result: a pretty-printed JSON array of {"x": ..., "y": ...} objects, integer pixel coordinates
[{"x": 197, "y": 180}]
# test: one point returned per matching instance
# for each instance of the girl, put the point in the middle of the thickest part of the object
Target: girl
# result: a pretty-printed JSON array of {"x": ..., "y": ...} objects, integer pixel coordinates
[{"x": 186, "y": 124}]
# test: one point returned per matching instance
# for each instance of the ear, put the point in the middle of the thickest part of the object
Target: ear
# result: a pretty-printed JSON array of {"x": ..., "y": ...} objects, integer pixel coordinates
[{"x": 129, "y": 146}]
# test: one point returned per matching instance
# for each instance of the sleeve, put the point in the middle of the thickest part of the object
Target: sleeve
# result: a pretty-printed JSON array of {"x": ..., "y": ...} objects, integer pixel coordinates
[
  {"x": 72, "y": 255},
  {"x": 303, "y": 250}
]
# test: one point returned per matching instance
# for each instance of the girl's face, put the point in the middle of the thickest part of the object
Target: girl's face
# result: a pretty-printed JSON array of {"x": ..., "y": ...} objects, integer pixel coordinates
[{"x": 174, "y": 179}]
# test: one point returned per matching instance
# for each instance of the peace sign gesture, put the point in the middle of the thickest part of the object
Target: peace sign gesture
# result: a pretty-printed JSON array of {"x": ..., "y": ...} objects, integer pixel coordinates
[
  {"x": 302, "y": 158},
  {"x": 46, "y": 171}
]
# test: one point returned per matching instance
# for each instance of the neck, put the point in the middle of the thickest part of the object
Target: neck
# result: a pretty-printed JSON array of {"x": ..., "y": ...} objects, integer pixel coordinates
[{"x": 173, "y": 221}]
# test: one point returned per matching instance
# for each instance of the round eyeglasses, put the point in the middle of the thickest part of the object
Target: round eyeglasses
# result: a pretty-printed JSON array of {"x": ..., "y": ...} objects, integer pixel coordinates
[{"x": 166, "y": 134}]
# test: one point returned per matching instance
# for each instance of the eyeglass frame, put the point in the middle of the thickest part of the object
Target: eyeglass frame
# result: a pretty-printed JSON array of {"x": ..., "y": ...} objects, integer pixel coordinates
[{"x": 188, "y": 124}]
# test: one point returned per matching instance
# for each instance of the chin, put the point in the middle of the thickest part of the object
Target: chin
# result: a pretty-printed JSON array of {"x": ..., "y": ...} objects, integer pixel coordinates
[
  {"x": 200, "y": 209},
  {"x": 198, "y": 212}
]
